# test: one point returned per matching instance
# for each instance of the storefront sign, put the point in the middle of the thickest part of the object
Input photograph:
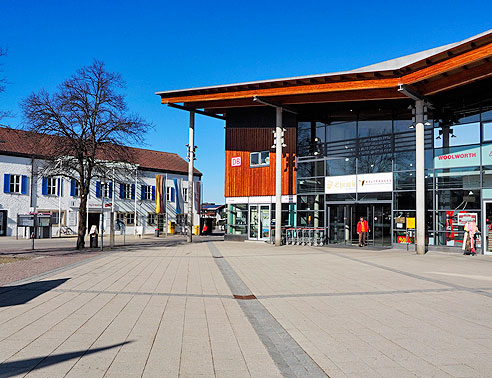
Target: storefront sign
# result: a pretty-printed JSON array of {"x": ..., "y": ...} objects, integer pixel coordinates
[
  {"x": 236, "y": 161},
  {"x": 365, "y": 183},
  {"x": 340, "y": 184},
  {"x": 467, "y": 217},
  {"x": 260, "y": 199},
  {"x": 375, "y": 182},
  {"x": 457, "y": 157},
  {"x": 235, "y": 200}
]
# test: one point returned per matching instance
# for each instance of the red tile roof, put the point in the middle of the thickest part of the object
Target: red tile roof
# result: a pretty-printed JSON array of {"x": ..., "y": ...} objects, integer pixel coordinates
[{"x": 17, "y": 142}]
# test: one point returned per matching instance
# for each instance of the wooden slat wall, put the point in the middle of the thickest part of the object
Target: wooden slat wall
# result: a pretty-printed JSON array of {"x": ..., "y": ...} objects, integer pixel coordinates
[{"x": 244, "y": 181}]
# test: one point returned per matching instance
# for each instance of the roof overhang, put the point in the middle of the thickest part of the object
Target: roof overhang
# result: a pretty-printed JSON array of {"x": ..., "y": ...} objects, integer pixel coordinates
[{"x": 428, "y": 72}]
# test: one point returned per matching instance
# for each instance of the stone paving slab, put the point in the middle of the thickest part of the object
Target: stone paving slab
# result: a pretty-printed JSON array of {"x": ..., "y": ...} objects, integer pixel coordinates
[
  {"x": 155, "y": 312},
  {"x": 377, "y": 313},
  {"x": 169, "y": 311}
]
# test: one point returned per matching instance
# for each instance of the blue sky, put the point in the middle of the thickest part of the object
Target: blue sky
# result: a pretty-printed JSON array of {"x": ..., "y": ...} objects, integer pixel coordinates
[{"x": 161, "y": 45}]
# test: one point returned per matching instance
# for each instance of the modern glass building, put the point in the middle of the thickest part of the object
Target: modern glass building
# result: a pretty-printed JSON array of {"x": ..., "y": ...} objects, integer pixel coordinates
[{"x": 405, "y": 143}]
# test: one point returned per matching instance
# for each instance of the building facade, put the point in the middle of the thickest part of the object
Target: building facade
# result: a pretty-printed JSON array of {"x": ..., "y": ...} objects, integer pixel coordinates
[
  {"x": 406, "y": 143},
  {"x": 130, "y": 193}
]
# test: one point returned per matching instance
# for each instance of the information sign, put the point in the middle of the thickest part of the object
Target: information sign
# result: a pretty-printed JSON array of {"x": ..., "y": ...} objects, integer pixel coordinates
[
  {"x": 25, "y": 220},
  {"x": 236, "y": 161},
  {"x": 410, "y": 222},
  {"x": 467, "y": 217}
]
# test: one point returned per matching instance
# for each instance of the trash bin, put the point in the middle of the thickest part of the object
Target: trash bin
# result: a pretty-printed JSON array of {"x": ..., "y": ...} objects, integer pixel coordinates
[
  {"x": 172, "y": 227},
  {"x": 93, "y": 240},
  {"x": 156, "y": 232}
]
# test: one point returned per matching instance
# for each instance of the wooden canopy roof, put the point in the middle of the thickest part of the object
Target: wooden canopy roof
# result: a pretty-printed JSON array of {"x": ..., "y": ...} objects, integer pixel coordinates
[{"x": 428, "y": 72}]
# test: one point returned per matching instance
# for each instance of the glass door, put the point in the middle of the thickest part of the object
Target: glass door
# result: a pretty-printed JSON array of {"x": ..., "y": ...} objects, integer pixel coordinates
[
  {"x": 3, "y": 219},
  {"x": 338, "y": 224},
  {"x": 259, "y": 222},
  {"x": 264, "y": 222},
  {"x": 253, "y": 222},
  {"x": 487, "y": 229}
]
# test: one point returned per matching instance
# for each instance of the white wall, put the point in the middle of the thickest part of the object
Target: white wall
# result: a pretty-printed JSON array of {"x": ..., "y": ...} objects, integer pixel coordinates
[{"x": 20, "y": 204}]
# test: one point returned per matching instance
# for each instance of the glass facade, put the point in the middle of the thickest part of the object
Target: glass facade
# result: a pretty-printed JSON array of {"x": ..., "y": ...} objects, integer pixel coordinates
[
  {"x": 358, "y": 159},
  {"x": 361, "y": 143}
]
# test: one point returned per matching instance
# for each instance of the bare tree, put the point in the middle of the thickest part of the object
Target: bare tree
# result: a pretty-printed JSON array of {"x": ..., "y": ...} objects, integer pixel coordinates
[{"x": 83, "y": 125}]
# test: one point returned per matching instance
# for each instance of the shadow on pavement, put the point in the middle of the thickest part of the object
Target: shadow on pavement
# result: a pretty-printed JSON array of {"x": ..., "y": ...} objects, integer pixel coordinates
[
  {"x": 9, "y": 369},
  {"x": 20, "y": 294}
]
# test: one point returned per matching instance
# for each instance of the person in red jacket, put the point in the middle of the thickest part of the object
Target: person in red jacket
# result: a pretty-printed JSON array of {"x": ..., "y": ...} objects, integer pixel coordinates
[{"x": 362, "y": 230}]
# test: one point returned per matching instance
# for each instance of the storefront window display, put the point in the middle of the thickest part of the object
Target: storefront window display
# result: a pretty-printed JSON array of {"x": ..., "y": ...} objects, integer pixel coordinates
[{"x": 238, "y": 219}]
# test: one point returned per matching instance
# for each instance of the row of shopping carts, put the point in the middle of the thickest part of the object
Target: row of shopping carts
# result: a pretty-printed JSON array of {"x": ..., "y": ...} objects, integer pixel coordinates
[{"x": 301, "y": 236}]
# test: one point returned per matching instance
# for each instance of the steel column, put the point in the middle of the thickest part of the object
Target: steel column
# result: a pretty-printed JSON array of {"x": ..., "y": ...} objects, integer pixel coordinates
[
  {"x": 191, "y": 157},
  {"x": 278, "y": 178},
  {"x": 420, "y": 175}
]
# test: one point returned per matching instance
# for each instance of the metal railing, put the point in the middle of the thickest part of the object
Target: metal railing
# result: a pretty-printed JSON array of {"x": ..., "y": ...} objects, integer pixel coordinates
[{"x": 312, "y": 236}]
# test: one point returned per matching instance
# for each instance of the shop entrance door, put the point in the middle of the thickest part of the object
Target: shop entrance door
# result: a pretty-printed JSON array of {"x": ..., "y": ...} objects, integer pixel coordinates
[
  {"x": 259, "y": 222},
  {"x": 3, "y": 222},
  {"x": 342, "y": 222},
  {"x": 487, "y": 228},
  {"x": 94, "y": 220}
]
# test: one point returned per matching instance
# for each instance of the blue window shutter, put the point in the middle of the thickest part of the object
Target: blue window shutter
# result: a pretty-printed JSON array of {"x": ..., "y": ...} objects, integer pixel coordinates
[
  {"x": 142, "y": 192},
  {"x": 6, "y": 183},
  {"x": 72, "y": 187},
  {"x": 153, "y": 193},
  {"x": 98, "y": 189},
  {"x": 133, "y": 191},
  {"x": 122, "y": 191},
  {"x": 24, "y": 185},
  {"x": 59, "y": 189},
  {"x": 111, "y": 189},
  {"x": 44, "y": 186},
  {"x": 172, "y": 194}
]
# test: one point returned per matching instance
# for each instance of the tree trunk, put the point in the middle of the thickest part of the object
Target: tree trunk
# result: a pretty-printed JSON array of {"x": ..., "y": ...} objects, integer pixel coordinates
[{"x": 82, "y": 221}]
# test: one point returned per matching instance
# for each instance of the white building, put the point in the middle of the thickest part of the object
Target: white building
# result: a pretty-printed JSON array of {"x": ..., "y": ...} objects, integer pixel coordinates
[{"x": 130, "y": 193}]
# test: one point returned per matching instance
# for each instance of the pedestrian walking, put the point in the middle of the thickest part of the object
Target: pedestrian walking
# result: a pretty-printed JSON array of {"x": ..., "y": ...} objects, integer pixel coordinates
[{"x": 362, "y": 230}]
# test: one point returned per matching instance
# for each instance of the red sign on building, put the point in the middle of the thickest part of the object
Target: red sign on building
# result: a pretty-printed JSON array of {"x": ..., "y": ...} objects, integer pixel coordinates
[{"x": 236, "y": 161}]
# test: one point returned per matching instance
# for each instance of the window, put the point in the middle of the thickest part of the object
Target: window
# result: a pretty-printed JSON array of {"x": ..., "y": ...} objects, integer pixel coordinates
[
  {"x": 151, "y": 219},
  {"x": 185, "y": 194},
  {"x": 312, "y": 169},
  {"x": 127, "y": 191},
  {"x": 125, "y": 218},
  {"x": 14, "y": 184},
  {"x": 487, "y": 131},
  {"x": 343, "y": 131},
  {"x": 120, "y": 218},
  {"x": 340, "y": 166},
  {"x": 147, "y": 192},
  {"x": 55, "y": 217},
  {"x": 130, "y": 218},
  {"x": 49, "y": 186},
  {"x": 74, "y": 188},
  {"x": 169, "y": 194},
  {"x": 259, "y": 159},
  {"x": 458, "y": 135},
  {"x": 105, "y": 191}
]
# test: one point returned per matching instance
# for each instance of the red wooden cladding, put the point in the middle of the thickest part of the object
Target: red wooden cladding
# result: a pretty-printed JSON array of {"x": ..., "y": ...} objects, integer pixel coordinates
[{"x": 244, "y": 181}]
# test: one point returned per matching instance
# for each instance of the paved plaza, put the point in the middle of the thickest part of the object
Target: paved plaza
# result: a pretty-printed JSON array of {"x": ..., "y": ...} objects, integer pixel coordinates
[{"x": 230, "y": 309}]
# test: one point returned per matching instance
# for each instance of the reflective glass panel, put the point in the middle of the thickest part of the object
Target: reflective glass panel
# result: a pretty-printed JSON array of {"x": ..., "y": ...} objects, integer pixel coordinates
[
  {"x": 340, "y": 167},
  {"x": 457, "y": 135},
  {"x": 342, "y": 131}
]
